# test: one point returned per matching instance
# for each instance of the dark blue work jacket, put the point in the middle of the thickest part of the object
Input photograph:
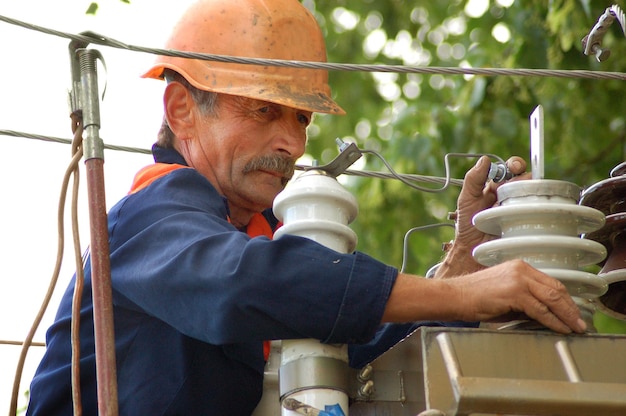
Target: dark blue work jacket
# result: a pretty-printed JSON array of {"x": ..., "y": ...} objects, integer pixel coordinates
[{"x": 194, "y": 298}]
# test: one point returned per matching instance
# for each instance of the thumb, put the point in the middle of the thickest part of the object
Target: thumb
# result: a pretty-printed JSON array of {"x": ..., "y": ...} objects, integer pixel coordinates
[{"x": 476, "y": 177}]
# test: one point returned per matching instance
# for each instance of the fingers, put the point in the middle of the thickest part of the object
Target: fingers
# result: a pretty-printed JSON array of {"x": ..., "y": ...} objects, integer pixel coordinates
[
  {"x": 478, "y": 193},
  {"x": 516, "y": 165},
  {"x": 513, "y": 288},
  {"x": 476, "y": 177},
  {"x": 554, "y": 307},
  {"x": 474, "y": 197},
  {"x": 546, "y": 300}
]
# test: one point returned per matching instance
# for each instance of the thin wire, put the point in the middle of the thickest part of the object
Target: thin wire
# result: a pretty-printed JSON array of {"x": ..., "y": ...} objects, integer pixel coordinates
[
  {"x": 405, "y": 245},
  {"x": 95, "y": 38},
  {"x": 20, "y": 343},
  {"x": 363, "y": 173},
  {"x": 408, "y": 176},
  {"x": 447, "y": 180},
  {"x": 68, "y": 141},
  {"x": 387, "y": 175},
  {"x": 53, "y": 281},
  {"x": 77, "y": 147}
]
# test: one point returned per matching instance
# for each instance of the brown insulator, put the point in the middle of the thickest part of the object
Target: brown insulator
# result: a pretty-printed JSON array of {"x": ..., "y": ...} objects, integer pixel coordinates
[{"x": 609, "y": 196}]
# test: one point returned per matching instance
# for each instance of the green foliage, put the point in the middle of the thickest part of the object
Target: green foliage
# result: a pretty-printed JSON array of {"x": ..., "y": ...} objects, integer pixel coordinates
[
  {"x": 415, "y": 120},
  {"x": 22, "y": 410},
  {"x": 93, "y": 7},
  {"x": 430, "y": 116},
  {"x": 425, "y": 117},
  {"x": 608, "y": 325}
]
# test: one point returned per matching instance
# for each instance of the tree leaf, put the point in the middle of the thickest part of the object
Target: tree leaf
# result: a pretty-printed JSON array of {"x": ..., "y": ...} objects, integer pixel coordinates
[{"x": 92, "y": 9}]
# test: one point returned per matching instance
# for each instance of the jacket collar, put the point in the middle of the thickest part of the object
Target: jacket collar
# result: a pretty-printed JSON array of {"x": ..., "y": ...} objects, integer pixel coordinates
[{"x": 169, "y": 155}]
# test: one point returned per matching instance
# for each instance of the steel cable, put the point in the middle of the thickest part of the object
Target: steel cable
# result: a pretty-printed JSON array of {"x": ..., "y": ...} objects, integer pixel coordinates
[{"x": 98, "y": 39}]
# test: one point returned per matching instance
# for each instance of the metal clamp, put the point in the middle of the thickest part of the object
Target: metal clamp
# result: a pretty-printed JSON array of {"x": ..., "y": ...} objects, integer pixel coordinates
[
  {"x": 592, "y": 42},
  {"x": 313, "y": 372}
]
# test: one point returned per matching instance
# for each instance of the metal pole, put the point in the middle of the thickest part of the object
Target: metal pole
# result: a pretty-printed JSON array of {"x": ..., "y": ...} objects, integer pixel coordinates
[{"x": 93, "y": 146}]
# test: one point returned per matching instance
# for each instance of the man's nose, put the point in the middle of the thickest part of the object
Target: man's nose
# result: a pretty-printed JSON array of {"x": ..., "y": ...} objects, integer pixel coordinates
[{"x": 291, "y": 138}]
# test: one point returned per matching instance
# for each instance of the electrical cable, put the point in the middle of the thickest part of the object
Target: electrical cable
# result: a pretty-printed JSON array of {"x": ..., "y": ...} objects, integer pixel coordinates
[
  {"x": 447, "y": 180},
  {"x": 407, "y": 176},
  {"x": 20, "y": 343},
  {"x": 405, "y": 245},
  {"x": 73, "y": 165},
  {"x": 77, "y": 148},
  {"x": 68, "y": 141},
  {"x": 409, "y": 183},
  {"x": 98, "y": 39},
  {"x": 362, "y": 173}
]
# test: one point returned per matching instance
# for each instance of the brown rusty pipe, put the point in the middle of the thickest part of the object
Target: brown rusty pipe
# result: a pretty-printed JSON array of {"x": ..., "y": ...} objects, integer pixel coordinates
[{"x": 93, "y": 146}]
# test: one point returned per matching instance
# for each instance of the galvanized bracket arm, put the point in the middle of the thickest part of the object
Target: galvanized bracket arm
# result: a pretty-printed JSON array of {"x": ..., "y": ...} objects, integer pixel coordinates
[{"x": 592, "y": 42}]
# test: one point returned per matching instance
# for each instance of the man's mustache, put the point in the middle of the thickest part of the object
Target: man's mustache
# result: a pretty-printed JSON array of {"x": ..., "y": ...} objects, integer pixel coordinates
[{"x": 273, "y": 163}]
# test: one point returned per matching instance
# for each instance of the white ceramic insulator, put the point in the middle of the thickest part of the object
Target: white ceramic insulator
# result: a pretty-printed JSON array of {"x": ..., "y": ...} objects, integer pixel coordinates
[
  {"x": 540, "y": 222},
  {"x": 317, "y": 207}
]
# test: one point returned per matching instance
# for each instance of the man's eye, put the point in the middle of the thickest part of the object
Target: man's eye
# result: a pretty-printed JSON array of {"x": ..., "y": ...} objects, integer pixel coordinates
[
  {"x": 304, "y": 119},
  {"x": 264, "y": 110}
]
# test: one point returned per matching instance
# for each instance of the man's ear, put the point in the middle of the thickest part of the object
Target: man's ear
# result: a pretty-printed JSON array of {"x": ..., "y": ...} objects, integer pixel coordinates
[{"x": 179, "y": 106}]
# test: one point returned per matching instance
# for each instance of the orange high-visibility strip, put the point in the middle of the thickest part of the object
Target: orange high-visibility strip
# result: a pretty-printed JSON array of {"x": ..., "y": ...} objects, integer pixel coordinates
[{"x": 151, "y": 173}]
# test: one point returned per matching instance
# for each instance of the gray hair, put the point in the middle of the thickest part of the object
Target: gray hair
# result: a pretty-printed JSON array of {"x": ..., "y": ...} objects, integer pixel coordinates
[{"x": 205, "y": 100}]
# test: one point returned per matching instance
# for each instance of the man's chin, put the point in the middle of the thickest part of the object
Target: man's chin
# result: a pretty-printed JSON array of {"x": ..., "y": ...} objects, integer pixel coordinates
[
  {"x": 267, "y": 193},
  {"x": 263, "y": 188}
]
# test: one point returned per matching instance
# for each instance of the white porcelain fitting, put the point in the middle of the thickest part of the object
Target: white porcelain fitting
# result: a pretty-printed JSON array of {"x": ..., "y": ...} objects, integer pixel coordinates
[
  {"x": 316, "y": 206},
  {"x": 540, "y": 222}
]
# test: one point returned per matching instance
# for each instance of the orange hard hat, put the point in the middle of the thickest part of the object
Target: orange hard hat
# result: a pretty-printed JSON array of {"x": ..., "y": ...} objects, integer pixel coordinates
[{"x": 269, "y": 29}]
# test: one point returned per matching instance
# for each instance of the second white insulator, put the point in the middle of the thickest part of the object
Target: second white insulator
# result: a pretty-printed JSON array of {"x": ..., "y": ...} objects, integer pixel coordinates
[{"x": 316, "y": 206}]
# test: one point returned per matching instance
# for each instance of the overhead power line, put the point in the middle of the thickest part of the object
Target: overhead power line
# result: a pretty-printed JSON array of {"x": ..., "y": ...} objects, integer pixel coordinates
[{"x": 98, "y": 39}]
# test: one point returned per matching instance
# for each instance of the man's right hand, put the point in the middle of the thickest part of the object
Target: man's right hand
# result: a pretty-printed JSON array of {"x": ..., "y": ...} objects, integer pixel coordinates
[
  {"x": 508, "y": 291},
  {"x": 515, "y": 290}
]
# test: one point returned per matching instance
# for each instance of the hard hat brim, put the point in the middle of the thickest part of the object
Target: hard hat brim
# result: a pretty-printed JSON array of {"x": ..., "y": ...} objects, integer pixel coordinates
[{"x": 276, "y": 85}]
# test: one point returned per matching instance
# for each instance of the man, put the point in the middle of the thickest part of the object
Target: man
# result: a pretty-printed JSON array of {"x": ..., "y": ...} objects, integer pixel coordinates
[{"x": 196, "y": 294}]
